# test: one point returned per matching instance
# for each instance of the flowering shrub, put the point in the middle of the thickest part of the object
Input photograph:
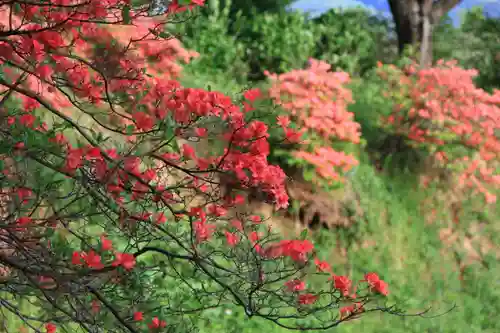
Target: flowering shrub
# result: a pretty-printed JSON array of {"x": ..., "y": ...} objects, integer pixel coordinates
[
  {"x": 111, "y": 218},
  {"x": 440, "y": 110},
  {"x": 316, "y": 100}
]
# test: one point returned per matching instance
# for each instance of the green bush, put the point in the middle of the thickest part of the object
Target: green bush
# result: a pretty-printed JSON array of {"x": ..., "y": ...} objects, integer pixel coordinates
[
  {"x": 479, "y": 41},
  {"x": 276, "y": 42},
  {"x": 353, "y": 40},
  {"x": 220, "y": 52}
]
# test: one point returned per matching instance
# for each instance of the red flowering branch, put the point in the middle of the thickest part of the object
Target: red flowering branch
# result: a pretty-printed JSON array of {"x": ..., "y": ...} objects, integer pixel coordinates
[{"x": 113, "y": 209}]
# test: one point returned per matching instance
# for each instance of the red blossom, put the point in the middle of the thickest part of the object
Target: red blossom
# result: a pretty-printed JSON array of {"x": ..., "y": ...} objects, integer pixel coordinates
[
  {"x": 295, "y": 285},
  {"x": 96, "y": 306},
  {"x": 342, "y": 283},
  {"x": 92, "y": 259},
  {"x": 322, "y": 266},
  {"x": 138, "y": 316},
  {"x": 307, "y": 299},
  {"x": 106, "y": 244},
  {"x": 50, "y": 328},
  {"x": 161, "y": 218},
  {"x": 157, "y": 323},
  {"x": 77, "y": 258},
  {"x": 27, "y": 120},
  {"x": 143, "y": 121},
  {"x": 232, "y": 239},
  {"x": 252, "y": 94},
  {"x": 126, "y": 260},
  {"x": 24, "y": 220}
]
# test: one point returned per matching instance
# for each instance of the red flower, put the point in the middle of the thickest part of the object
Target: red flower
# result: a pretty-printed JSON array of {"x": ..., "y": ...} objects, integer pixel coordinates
[
  {"x": 307, "y": 299},
  {"x": 203, "y": 231},
  {"x": 342, "y": 283},
  {"x": 161, "y": 218},
  {"x": 254, "y": 236},
  {"x": 232, "y": 239},
  {"x": 350, "y": 309},
  {"x": 76, "y": 259},
  {"x": 27, "y": 120},
  {"x": 23, "y": 194},
  {"x": 126, "y": 260},
  {"x": 138, "y": 316},
  {"x": 23, "y": 220},
  {"x": 73, "y": 159},
  {"x": 382, "y": 287},
  {"x": 295, "y": 249},
  {"x": 346, "y": 310},
  {"x": 143, "y": 121},
  {"x": 376, "y": 283},
  {"x": 201, "y": 132},
  {"x": 157, "y": 323},
  {"x": 256, "y": 218},
  {"x": 106, "y": 244},
  {"x": 174, "y": 7},
  {"x": 50, "y": 328},
  {"x": 295, "y": 285},
  {"x": 252, "y": 94},
  {"x": 371, "y": 278},
  {"x": 45, "y": 72},
  {"x": 322, "y": 266},
  {"x": 198, "y": 2},
  {"x": 92, "y": 259},
  {"x": 293, "y": 136},
  {"x": 112, "y": 153},
  {"x": 95, "y": 306},
  {"x": 93, "y": 153},
  {"x": 188, "y": 152},
  {"x": 59, "y": 138},
  {"x": 283, "y": 121}
]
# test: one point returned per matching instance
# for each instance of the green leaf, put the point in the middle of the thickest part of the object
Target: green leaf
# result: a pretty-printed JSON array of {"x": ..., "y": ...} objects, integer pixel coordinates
[
  {"x": 130, "y": 129},
  {"x": 126, "y": 14},
  {"x": 303, "y": 234}
]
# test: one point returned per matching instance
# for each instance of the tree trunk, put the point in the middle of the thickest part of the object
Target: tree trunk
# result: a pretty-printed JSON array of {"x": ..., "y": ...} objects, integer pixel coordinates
[{"x": 415, "y": 21}]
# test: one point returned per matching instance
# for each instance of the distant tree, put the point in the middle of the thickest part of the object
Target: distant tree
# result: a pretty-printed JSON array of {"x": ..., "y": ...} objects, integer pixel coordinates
[
  {"x": 247, "y": 7},
  {"x": 415, "y": 21}
]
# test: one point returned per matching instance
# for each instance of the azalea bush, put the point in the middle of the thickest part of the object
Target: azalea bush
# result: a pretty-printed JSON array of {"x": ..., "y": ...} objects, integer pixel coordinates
[
  {"x": 441, "y": 111},
  {"x": 120, "y": 186},
  {"x": 317, "y": 121}
]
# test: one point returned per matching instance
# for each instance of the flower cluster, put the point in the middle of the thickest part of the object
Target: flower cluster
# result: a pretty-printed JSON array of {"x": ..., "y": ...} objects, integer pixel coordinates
[
  {"x": 316, "y": 100},
  {"x": 441, "y": 110}
]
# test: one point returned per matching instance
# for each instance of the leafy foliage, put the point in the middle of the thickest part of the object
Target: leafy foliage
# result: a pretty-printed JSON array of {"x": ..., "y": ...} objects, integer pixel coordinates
[
  {"x": 353, "y": 40},
  {"x": 277, "y": 43},
  {"x": 219, "y": 55}
]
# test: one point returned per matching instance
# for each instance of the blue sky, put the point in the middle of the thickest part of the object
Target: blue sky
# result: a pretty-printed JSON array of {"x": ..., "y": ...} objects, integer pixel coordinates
[{"x": 318, "y": 6}]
